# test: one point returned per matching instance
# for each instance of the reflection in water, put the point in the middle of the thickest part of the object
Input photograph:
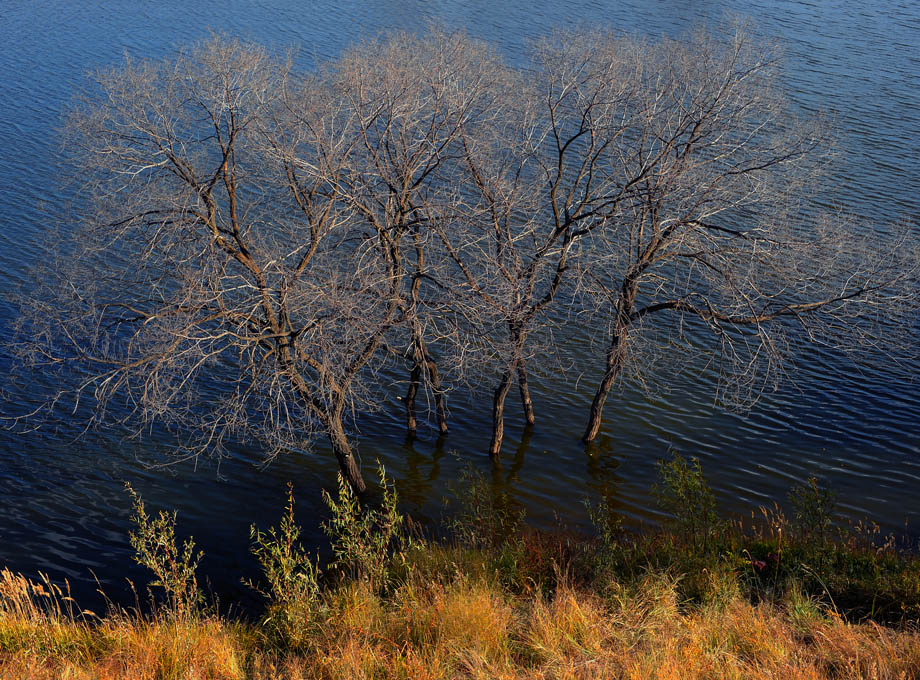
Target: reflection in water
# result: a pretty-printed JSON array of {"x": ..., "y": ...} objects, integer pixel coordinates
[
  {"x": 504, "y": 482},
  {"x": 415, "y": 482},
  {"x": 603, "y": 468}
]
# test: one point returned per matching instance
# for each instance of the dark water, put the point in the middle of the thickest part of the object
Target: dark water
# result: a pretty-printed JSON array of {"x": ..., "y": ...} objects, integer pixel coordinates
[{"x": 62, "y": 506}]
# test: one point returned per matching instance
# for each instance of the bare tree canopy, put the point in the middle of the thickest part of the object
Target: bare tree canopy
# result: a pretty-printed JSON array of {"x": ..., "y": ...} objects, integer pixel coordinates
[{"x": 254, "y": 245}]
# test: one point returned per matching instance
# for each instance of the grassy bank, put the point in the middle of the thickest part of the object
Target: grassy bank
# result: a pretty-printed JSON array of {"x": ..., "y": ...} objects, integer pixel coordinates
[{"x": 703, "y": 597}]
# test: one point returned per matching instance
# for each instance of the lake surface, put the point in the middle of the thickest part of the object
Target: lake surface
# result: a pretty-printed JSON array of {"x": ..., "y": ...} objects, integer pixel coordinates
[{"x": 63, "y": 509}]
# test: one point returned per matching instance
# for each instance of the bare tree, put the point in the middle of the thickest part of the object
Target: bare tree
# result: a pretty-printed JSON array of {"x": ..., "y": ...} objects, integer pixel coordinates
[
  {"x": 216, "y": 283},
  {"x": 412, "y": 98},
  {"x": 664, "y": 180},
  {"x": 254, "y": 247},
  {"x": 503, "y": 248},
  {"x": 544, "y": 180},
  {"x": 715, "y": 228}
]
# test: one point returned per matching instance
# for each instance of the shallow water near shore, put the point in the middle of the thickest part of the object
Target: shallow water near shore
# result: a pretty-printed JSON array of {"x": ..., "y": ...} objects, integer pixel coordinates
[{"x": 63, "y": 509}]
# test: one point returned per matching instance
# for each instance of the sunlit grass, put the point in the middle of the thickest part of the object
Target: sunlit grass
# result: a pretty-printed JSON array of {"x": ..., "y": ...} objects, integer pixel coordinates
[
  {"x": 462, "y": 625},
  {"x": 715, "y": 600}
]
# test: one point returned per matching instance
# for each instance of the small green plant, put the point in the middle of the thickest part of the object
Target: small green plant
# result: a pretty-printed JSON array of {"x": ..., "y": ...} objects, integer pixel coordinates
[
  {"x": 290, "y": 573},
  {"x": 366, "y": 542},
  {"x": 683, "y": 493},
  {"x": 609, "y": 528},
  {"x": 719, "y": 585},
  {"x": 607, "y": 523},
  {"x": 802, "y": 608},
  {"x": 813, "y": 506},
  {"x": 173, "y": 566},
  {"x": 292, "y": 577},
  {"x": 484, "y": 519}
]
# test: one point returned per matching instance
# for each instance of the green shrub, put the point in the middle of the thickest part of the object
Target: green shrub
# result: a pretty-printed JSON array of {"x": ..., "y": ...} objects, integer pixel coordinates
[
  {"x": 484, "y": 518},
  {"x": 813, "y": 507},
  {"x": 173, "y": 566},
  {"x": 609, "y": 528},
  {"x": 683, "y": 493},
  {"x": 367, "y": 543},
  {"x": 291, "y": 576}
]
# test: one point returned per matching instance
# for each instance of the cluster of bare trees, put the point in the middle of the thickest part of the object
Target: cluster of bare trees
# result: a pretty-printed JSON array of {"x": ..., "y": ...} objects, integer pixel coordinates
[{"x": 257, "y": 244}]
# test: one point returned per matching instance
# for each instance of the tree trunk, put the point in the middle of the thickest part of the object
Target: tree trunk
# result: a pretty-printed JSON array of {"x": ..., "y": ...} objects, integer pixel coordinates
[
  {"x": 439, "y": 405},
  {"x": 414, "y": 377},
  {"x": 331, "y": 419},
  {"x": 524, "y": 388},
  {"x": 498, "y": 414},
  {"x": 343, "y": 453},
  {"x": 422, "y": 357},
  {"x": 614, "y": 364}
]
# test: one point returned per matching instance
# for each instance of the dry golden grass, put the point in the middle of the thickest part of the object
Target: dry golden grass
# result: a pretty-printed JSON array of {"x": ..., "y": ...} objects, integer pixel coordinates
[
  {"x": 466, "y": 627},
  {"x": 729, "y": 602},
  {"x": 43, "y": 635}
]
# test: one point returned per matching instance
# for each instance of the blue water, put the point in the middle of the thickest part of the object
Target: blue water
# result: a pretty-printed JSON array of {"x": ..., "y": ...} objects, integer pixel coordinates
[{"x": 62, "y": 505}]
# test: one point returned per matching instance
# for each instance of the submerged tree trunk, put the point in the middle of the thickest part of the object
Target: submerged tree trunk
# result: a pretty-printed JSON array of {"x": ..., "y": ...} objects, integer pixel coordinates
[
  {"x": 616, "y": 352},
  {"x": 342, "y": 450},
  {"x": 414, "y": 379},
  {"x": 439, "y": 401},
  {"x": 331, "y": 419},
  {"x": 524, "y": 388},
  {"x": 422, "y": 359},
  {"x": 498, "y": 414},
  {"x": 615, "y": 355}
]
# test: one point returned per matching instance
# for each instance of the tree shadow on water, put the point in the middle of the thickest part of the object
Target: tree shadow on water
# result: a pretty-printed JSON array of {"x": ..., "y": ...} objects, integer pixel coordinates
[
  {"x": 503, "y": 481},
  {"x": 605, "y": 478}
]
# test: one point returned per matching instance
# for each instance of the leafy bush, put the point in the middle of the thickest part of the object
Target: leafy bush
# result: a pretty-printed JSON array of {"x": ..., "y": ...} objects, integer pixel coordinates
[
  {"x": 484, "y": 518},
  {"x": 684, "y": 494},
  {"x": 366, "y": 542},
  {"x": 292, "y": 576},
  {"x": 607, "y": 523},
  {"x": 608, "y": 526},
  {"x": 813, "y": 506},
  {"x": 173, "y": 566}
]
